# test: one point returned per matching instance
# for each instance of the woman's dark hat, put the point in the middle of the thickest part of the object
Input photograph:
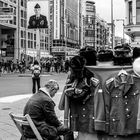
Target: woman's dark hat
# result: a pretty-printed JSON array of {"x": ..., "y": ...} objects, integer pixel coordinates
[{"x": 77, "y": 62}]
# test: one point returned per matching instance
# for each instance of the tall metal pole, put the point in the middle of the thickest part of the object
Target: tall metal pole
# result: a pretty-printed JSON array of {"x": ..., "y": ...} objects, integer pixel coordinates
[
  {"x": 65, "y": 28},
  {"x": 38, "y": 44},
  {"x": 18, "y": 31},
  {"x": 112, "y": 24},
  {"x": 123, "y": 32}
]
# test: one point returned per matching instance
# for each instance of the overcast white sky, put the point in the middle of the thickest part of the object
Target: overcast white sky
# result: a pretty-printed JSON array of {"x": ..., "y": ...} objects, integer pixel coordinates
[{"x": 103, "y": 8}]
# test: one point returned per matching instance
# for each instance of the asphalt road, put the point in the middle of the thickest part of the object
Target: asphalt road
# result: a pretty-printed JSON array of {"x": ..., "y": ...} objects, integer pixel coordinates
[{"x": 15, "y": 85}]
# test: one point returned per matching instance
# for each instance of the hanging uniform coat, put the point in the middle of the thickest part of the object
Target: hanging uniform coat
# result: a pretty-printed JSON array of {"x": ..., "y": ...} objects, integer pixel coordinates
[
  {"x": 122, "y": 101},
  {"x": 85, "y": 115}
]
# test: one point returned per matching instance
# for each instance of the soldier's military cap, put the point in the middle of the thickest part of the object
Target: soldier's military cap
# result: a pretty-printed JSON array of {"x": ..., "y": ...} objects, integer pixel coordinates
[{"x": 37, "y": 6}]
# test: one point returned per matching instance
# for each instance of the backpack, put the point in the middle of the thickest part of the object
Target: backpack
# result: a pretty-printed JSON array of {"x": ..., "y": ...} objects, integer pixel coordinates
[{"x": 36, "y": 72}]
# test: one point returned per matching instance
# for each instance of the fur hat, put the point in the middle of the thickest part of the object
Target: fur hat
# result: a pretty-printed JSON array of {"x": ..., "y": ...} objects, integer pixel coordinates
[
  {"x": 77, "y": 62},
  {"x": 136, "y": 66},
  {"x": 89, "y": 54}
]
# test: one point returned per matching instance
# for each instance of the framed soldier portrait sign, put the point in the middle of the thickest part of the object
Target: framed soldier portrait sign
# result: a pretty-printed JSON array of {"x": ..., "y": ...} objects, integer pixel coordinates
[{"x": 37, "y": 14}]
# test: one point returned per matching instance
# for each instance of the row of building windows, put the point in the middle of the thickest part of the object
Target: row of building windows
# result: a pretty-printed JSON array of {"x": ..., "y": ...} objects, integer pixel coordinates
[
  {"x": 90, "y": 7},
  {"x": 138, "y": 11},
  {"x": 131, "y": 12}
]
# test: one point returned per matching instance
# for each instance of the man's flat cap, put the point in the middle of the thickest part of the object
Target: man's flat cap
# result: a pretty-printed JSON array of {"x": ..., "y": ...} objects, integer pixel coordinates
[{"x": 37, "y": 6}]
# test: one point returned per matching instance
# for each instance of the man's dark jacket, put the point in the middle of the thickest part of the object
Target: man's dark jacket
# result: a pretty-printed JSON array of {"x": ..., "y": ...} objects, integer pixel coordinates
[{"x": 41, "y": 109}]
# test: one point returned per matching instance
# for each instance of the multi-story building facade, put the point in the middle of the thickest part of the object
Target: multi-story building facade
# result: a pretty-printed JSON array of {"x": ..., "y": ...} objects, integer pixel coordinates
[
  {"x": 90, "y": 24},
  {"x": 9, "y": 32},
  {"x": 23, "y": 41},
  {"x": 95, "y": 31},
  {"x": 102, "y": 33},
  {"x": 132, "y": 21},
  {"x": 66, "y": 28}
]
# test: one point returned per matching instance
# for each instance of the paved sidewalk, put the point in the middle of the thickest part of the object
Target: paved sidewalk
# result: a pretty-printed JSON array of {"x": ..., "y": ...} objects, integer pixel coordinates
[
  {"x": 26, "y": 74},
  {"x": 8, "y": 130}
]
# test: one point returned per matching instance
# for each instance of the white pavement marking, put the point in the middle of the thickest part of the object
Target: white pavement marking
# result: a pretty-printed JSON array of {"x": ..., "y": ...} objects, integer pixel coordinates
[{"x": 15, "y": 98}]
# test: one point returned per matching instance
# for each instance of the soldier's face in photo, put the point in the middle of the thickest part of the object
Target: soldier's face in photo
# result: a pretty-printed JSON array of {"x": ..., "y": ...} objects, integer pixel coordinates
[{"x": 37, "y": 11}]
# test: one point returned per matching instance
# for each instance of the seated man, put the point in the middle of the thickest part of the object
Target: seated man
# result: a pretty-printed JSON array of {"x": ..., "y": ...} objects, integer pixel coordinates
[{"x": 41, "y": 109}]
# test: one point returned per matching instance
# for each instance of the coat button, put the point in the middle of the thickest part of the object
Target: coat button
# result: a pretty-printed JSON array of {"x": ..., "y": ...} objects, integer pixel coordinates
[
  {"x": 84, "y": 115},
  {"x": 113, "y": 120},
  {"x": 125, "y": 97},
  {"x": 84, "y": 109}
]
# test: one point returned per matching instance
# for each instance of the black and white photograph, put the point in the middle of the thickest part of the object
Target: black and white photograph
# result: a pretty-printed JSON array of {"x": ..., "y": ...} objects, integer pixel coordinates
[
  {"x": 69, "y": 69},
  {"x": 37, "y": 16}
]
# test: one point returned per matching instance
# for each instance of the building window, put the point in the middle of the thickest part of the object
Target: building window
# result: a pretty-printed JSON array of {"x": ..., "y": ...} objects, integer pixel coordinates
[
  {"x": 14, "y": 20},
  {"x": 34, "y": 36},
  {"x": 22, "y": 13},
  {"x": 29, "y": 46},
  {"x": 138, "y": 12},
  {"x": 130, "y": 12},
  {"x": 22, "y": 3},
  {"x": 90, "y": 7},
  {"x": 23, "y": 39},
  {"x": 22, "y": 23},
  {"x": 1, "y": 4},
  {"x": 34, "y": 45},
  {"x": 15, "y": 1},
  {"x": 22, "y": 34}
]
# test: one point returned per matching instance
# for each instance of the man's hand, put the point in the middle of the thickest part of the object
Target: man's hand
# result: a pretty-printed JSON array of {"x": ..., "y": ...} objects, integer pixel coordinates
[{"x": 62, "y": 130}]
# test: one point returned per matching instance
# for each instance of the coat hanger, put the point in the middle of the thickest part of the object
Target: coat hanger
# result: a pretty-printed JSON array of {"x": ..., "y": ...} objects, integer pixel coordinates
[
  {"x": 123, "y": 75},
  {"x": 122, "y": 71}
]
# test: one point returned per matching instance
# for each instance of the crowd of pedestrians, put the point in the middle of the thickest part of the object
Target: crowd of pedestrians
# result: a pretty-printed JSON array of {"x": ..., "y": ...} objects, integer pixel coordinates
[
  {"x": 10, "y": 66},
  {"x": 47, "y": 65},
  {"x": 55, "y": 65}
]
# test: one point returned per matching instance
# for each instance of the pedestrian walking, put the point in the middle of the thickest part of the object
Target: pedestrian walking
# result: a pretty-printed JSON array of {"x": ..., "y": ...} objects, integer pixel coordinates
[
  {"x": 36, "y": 71},
  {"x": 41, "y": 109}
]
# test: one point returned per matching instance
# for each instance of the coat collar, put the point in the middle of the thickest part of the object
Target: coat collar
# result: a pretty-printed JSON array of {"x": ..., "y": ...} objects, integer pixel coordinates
[
  {"x": 126, "y": 85},
  {"x": 45, "y": 91},
  {"x": 128, "y": 80}
]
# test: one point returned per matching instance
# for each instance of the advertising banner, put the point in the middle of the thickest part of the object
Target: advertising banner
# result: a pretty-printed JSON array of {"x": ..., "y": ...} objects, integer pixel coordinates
[
  {"x": 6, "y": 13},
  {"x": 38, "y": 14},
  {"x": 57, "y": 19}
]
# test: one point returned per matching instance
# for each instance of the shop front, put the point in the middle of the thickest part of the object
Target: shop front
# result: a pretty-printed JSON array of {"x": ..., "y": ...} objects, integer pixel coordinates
[{"x": 7, "y": 44}]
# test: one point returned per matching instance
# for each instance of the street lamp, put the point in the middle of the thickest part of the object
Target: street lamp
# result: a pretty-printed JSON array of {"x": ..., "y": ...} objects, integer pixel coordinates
[{"x": 123, "y": 26}]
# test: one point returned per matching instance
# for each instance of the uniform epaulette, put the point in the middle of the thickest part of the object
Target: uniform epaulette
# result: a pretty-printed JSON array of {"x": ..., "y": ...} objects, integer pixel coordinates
[
  {"x": 95, "y": 81},
  {"x": 109, "y": 81},
  {"x": 67, "y": 81}
]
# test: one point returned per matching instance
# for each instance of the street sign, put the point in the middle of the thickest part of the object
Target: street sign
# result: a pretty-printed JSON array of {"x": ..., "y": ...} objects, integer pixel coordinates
[
  {"x": 7, "y": 10},
  {"x": 6, "y": 17},
  {"x": 3, "y": 21},
  {"x": 6, "y": 13},
  {"x": 58, "y": 49}
]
